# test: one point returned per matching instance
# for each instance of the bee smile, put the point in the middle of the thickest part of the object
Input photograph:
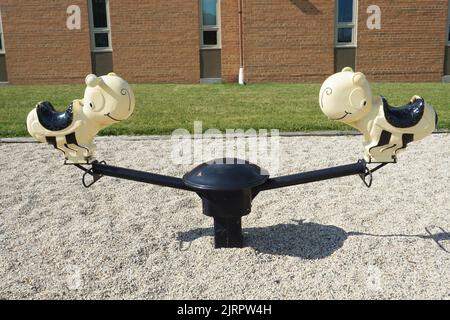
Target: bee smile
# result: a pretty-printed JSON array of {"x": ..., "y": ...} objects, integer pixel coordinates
[
  {"x": 109, "y": 116},
  {"x": 346, "y": 114}
]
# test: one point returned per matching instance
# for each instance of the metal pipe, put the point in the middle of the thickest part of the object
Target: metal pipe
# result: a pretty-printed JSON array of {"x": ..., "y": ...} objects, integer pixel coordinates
[
  {"x": 241, "y": 44},
  {"x": 139, "y": 176},
  {"x": 314, "y": 176}
]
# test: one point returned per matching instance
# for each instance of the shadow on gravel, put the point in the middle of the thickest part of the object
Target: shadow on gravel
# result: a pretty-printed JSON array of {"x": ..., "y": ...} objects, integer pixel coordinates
[
  {"x": 304, "y": 240},
  {"x": 309, "y": 241}
]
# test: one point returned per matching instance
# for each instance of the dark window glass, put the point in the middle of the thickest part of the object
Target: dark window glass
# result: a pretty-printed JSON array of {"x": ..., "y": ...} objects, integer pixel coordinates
[
  {"x": 1, "y": 43},
  {"x": 99, "y": 13},
  {"x": 101, "y": 40},
  {"x": 210, "y": 38},
  {"x": 345, "y": 35},
  {"x": 448, "y": 33},
  {"x": 209, "y": 9},
  {"x": 345, "y": 11}
]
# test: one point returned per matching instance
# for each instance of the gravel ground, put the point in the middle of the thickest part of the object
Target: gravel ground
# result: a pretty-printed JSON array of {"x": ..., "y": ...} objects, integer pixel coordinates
[{"x": 327, "y": 240}]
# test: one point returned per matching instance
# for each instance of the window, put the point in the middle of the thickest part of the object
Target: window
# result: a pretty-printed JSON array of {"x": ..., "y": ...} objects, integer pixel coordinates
[
  {"x": 100, "y": 25},
  {"x": 210, "y": 24},
  {"x": 2, "y": 41},
  {"x": 346, "y": 18}
]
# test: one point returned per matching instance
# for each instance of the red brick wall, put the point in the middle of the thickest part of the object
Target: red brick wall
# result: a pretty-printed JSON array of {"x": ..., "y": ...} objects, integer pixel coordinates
[
  {"x": 284, "y": 40},
  {"x": 156, "y": 40},
  {"x": 39, "y": 47},
  {"x": 410, "y": 45},
  {"x": 288, "y": 40}
]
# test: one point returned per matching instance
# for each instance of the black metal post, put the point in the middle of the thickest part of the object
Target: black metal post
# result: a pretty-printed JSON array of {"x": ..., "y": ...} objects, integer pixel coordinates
[{"x": 228, "y": 232}]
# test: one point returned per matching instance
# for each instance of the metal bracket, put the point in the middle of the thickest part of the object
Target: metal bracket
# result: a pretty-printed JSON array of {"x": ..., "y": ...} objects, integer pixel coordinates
[
  {"x": 90, "y": 172},
  {"x": 367, "y": 177}
]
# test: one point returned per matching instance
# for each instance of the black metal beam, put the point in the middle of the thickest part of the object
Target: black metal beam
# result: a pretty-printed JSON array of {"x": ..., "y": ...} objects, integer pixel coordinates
[
  {"x": 314, "y": 176},
  {"x": 139, "y": 176}
]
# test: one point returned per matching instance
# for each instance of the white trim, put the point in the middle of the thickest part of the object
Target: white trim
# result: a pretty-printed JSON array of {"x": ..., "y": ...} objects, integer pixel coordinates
[
  {"x": 2, "y": 38},
  {"x": 217, "y": 27},
  {"x": 100, "y": 30},
  {"x": 353, "y": 25},
  {"x": 211, "y": 80}
]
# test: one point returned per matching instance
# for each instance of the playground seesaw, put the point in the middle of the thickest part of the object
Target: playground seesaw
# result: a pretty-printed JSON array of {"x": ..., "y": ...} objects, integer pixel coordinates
[{"x": 227, "y": 187}]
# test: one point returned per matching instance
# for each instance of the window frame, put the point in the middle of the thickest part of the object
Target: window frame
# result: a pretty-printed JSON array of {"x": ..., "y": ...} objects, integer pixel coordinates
[
  {"x": 341, "y": 25},
  {"x": 94, "y": 31},
  {"x": 217, "y": 28},
  {"x": 2, "y": 38}
]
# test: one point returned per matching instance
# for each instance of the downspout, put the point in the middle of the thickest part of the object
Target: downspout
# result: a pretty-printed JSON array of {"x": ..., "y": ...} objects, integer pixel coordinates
[{"x": 241, "y": 45}]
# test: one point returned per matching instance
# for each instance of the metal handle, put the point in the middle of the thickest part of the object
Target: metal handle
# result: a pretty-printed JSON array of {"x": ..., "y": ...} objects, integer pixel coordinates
[{"x": 90, "y": 172}]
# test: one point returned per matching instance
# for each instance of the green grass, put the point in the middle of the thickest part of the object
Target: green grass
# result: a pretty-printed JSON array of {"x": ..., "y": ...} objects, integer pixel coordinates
[{"x": 160, "y": 109}]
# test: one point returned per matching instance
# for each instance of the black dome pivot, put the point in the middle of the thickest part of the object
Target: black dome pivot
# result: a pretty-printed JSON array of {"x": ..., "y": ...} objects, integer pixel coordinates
[
  {"x": 226, "y": 174},
  {"x": 226, "y": 189}
]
